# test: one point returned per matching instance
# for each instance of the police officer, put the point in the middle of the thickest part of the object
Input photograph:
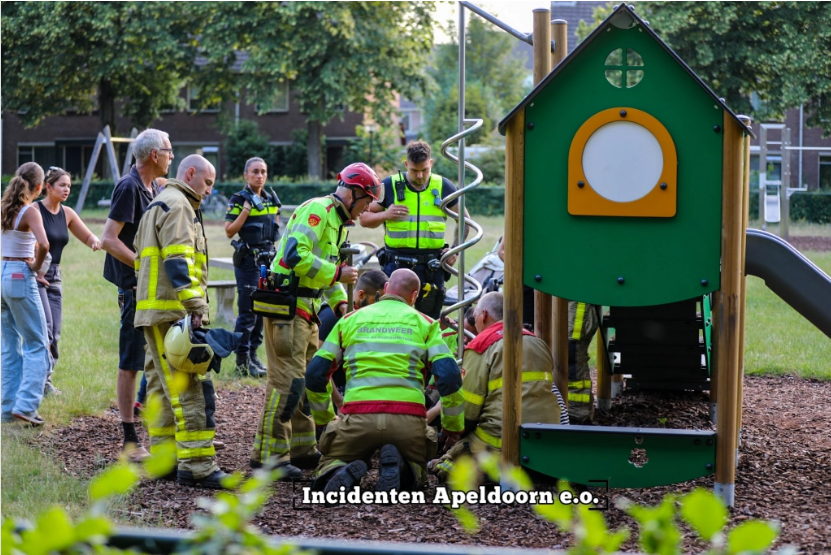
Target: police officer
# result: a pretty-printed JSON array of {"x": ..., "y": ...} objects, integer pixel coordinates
[
  {"x": 252, "y": 213},
  {"x": 414, "y": 225}
]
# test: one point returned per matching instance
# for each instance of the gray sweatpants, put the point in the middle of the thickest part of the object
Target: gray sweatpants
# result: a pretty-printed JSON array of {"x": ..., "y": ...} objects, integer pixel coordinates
[{"x": 52, "y": 300}]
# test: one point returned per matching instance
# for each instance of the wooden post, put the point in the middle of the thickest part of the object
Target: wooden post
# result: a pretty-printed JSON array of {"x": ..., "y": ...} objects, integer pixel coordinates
[
  {"x": 559, "y": 33},
  {"x": 512, "y": 313},
  {"x": 728, "y": 312},
  {"x": 743, "y": 299},
  {"x": 542, "y": 66}
]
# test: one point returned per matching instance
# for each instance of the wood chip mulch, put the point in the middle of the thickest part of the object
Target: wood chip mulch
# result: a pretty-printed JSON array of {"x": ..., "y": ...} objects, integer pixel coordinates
[{"x": 784, "y": 473}]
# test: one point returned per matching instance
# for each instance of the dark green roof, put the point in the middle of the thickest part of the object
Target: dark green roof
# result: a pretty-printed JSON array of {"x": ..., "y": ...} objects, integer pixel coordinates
[{"x": 622, "y": 17}]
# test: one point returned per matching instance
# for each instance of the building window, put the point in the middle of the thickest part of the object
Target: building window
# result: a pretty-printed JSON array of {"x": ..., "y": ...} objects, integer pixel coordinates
[
  {"x": 182, "y": 150},
  {"x": 774, "y": 169},
  {"x": 618, "y": 70},
  {"x": 193, "y": 101},
  {"x": 43, "y": 154},
  {"x": 825, "y": 172},
  {"x": 411, "y": 120},
  {"x": 279, "y": 101}
]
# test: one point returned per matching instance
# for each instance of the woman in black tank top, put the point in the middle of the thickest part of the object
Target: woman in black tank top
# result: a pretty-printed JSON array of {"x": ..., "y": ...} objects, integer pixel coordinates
[{"x": 58, "y": 220}]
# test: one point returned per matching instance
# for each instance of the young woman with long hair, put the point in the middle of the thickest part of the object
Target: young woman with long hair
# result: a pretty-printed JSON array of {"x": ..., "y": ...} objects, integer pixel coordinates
[
  {"x": 25, "y": 355},
  {"x": 58, "y": 221}
]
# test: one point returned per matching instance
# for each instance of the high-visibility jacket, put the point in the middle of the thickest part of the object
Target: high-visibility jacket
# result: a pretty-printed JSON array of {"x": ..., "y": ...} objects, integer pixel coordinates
[
  {"x": 311, "y": 247},
  {"x": 582, "y": 325},
  {"x": 482, "y": 387},
  {"x": 387, "y": 350},
  {"x": 424, "y": 227},
  {"x": 171, "y": 258}
]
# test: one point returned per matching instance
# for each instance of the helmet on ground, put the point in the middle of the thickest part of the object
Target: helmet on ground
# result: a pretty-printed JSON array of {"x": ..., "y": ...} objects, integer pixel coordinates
[
  {"x": 363, "y": 177},
  {"x": 183, "y": 352}
]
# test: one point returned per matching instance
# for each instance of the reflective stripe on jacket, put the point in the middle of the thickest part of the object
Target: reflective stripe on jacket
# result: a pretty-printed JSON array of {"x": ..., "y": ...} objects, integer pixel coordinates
[
  {"x": 386, "y": 349},
  {"x": 483, "y": 383},
  {"x": 171, "y": 258},
  {"x": 311, "y": 247},
  {"x": 424, "y": 227}
]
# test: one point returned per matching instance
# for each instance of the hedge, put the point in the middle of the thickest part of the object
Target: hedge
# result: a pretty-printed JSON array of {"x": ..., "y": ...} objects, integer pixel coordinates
[{"x": 484, "y": 201}]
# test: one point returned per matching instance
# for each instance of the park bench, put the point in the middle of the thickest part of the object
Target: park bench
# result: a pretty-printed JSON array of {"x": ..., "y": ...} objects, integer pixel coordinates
[{"x": 223, "y": 300}]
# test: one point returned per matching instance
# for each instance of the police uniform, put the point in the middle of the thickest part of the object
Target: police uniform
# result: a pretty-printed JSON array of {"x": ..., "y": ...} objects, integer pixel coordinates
[
  {"x": 254, "y": 248},
  {"x": 419, "y": 239}
]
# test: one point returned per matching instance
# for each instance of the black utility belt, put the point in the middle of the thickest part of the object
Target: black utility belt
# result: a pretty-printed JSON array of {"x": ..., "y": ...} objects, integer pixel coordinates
[
  {"x": 412, "y": 259},
  {"x": 305, "y": 292}
]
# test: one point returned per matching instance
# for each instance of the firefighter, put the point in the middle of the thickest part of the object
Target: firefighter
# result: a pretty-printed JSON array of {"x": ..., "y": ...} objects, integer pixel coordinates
[
  {"x": 253, "y": 214},
  {"x": 482, "y": 387},
  {"x": 172, "y": 269},
  {"x": 309, "y": 250},
  {"x": 387, "y": 350},
  {"x": 582, "y": 325},
  {"x": 414, "y": 225}
]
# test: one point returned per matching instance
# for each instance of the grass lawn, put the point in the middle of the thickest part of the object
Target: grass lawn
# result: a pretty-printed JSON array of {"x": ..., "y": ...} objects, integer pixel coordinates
[{"x": 779, "y": 341}]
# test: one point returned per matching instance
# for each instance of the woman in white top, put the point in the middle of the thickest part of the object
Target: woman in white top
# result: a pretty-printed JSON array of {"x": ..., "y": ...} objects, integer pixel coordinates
[{"x": 25, "y": 356}]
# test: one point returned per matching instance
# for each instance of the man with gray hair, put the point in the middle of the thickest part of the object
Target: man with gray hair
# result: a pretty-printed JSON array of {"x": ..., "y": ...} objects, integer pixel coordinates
[
  {"x": 482, "y": 386},
  {"x": 132, "y": 195}
]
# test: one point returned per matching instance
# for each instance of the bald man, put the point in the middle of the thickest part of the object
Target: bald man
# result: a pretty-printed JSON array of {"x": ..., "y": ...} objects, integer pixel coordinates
[
  {"x": 172, "y": 269},
  {"x": 388, "y": 351}
]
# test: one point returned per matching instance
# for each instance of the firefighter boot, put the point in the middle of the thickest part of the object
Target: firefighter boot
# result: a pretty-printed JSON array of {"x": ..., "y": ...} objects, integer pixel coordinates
[
  {"x": 392, "y": 468},
  {"x": 349, "y": 476},
  {"x": 211, "y": 481},
  {"x": 244, "y": 368},
  {"x": 257, "y": 363}
]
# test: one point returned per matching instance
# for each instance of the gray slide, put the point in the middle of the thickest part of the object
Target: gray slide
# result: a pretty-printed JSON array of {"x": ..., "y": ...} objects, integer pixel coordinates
[{"x": 794, "y": 278}]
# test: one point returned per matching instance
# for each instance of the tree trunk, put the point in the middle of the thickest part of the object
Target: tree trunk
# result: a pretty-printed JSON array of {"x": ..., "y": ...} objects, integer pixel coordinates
[
  {"x": 313, "y": 148},
  {"x": 106, "y": 105}
]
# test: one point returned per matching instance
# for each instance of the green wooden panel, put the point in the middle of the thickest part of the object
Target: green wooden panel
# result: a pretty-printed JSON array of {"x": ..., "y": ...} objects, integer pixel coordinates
[
  {"x": 662, "y": 260},
  {"x": 674, "y": 456}
]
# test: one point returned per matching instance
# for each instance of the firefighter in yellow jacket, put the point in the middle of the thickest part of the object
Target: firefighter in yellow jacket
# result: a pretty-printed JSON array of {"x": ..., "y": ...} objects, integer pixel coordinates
[
  {"x": 387, "y": 350},
  {"x": 309, "y": 250},
  {"x": 482, "y": 386},
  {"x": 172, "y": 269},
  {"x": 582, "y": 325}
]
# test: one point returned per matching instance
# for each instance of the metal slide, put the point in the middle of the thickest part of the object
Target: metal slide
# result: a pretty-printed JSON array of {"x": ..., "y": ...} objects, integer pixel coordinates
[{"x": 794, "y": 278}]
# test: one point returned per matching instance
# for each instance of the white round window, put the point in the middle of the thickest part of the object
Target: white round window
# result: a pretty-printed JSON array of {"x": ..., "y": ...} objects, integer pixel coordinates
[{"x": 622, "y": 161}]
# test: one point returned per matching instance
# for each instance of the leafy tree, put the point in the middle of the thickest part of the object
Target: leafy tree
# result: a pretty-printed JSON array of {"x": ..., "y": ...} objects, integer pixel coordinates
[
  {"x": 777, "y": 50},
  {"x": 82, "y": 56},
  {"x": 496, "y": 80},
  {"x": 336, "y": 55}
]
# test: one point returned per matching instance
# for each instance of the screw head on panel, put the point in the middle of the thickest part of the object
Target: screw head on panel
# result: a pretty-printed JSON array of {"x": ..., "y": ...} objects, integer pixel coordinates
[
  {"x": 664, "y": 186},
  {"x": 717, "y": 128},
  {"x": 537, "y": 277},
  {"x": 704, "y": 283},
  {"x": 581, "y": 184},
  {"x": 525, "y": 459},
  {"x": 708, "y": 466},
  {"x": 525, "y": 435},
  {"x": 623, "y": 113},
  {"x": 530, "y": 125},
  {"x": 620, "y": 280}
]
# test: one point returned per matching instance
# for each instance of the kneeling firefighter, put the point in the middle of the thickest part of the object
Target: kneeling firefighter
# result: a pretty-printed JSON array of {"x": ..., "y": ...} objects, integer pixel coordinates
[
  {"x": 254, "y": 214},
  {"x": 306, "y": 268}
]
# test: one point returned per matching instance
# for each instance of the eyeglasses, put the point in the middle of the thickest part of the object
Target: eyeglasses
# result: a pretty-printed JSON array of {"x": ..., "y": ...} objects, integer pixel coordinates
[{"x": 170, "y": 150}]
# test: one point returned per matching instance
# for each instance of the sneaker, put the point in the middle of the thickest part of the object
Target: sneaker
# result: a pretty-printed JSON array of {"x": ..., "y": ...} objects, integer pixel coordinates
[
  {"x": 348, "y": 476},
  {"x": 135, "y": 453},
  {"x": 211, "y": 481},
  {"x": 389, "y": 475},
  {"x": 30, "y": 418},
  {"x": 257, "y": 363},
  {"x": 306, "y": 463},
  {"x": 50, "y": 389}
]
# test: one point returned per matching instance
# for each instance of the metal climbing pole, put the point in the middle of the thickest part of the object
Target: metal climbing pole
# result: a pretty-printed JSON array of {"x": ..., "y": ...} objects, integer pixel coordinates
[{"x": 459, "y": 215}]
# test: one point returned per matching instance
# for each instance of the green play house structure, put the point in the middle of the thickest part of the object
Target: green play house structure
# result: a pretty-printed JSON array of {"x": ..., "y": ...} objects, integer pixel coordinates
[{"x": 626, "y": 187}]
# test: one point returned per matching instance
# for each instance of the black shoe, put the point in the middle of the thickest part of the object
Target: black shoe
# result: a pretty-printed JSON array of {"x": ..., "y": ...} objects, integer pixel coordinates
[
  {"x": 307, "y": 463},
  {"x": 257, "y": 363},
  {"x": 389, "y": 475},
  {"x": 288, "y": 472},
  {"x": 348, "y": 476},
  {"x": 242, "y": 366},
  {"x": 255, "y": 464},
  {"x": 211, "y": 481}
]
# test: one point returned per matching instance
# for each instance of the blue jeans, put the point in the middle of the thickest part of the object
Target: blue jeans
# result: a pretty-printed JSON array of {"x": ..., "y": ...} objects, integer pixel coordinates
[{"x": 25, "y": 351}]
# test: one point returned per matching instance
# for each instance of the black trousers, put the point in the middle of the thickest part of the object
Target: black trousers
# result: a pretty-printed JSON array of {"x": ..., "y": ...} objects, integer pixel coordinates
[
  {"x": 248, "y": 323},
  {"x": 431, "y": 298}
]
